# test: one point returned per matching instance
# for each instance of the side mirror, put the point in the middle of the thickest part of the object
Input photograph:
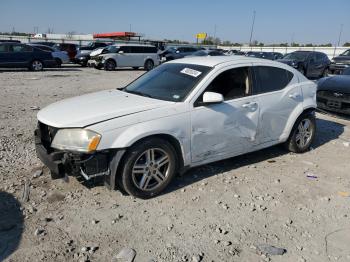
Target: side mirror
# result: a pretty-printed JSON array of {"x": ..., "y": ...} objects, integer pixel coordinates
[
  {"x": 212, "y": 98},
  {"x": 312, "y": 61},
  {"x": 121, "y": 52}
]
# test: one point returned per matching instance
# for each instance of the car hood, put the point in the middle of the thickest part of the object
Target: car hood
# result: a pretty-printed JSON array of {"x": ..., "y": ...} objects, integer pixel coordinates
[
  {"x": 339, "y": 83},
  {"x": 342, "y": 59},
  {"x": 86, "y": 110},
  {"x": 97, "y": 51}
]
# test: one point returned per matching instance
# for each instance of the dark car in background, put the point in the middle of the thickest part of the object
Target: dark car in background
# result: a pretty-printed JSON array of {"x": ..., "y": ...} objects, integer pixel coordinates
[
  {"x": 339, "y": 63},
  {"x": 9, "y": 41},
  {"x": 207, "y": 52},
  {"x": 172, "y": 53},
  {"x": 71, "y": 49},
  {"x": 309, "y": 63},
  {"x": 47, "y": 43},
  {"x": 16, "y": 55},
  {"x": 263, "y": 55},
  {"x": 333, "y": 93},
  {"x": 277, "y": 55}
]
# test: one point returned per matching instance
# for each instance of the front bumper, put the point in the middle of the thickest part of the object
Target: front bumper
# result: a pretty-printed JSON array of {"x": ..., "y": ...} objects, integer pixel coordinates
[
  {"x": 338, "y": 66},
  {"x": 66, "y": 163},
  {"x": 94, "y": 63},
  {"x": 327, "y": 101}
]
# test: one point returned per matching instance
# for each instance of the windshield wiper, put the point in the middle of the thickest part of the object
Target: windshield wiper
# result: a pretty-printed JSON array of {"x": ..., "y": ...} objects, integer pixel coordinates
[{"x": 138, "y": 93}]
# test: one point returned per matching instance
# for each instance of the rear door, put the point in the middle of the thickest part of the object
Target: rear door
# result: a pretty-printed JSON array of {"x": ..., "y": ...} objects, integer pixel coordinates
[
  {"x": 21, "y": 55},
  {"x": 279, "y": 96}
]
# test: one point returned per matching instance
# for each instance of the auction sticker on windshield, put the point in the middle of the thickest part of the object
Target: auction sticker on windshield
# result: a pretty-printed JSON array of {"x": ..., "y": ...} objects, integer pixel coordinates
[{"x": 190, "y": 72}]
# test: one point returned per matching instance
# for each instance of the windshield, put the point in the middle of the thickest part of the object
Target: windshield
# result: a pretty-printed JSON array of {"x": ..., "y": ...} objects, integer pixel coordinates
[
  {"x": 170, "y": 82},
  {"x": 111, "y": 49},
  {"x": 299, "y": 56},
  {"x": 346, "y": 53}
]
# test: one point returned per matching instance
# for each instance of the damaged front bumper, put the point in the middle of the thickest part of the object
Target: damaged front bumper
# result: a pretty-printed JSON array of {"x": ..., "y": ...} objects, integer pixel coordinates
[{"x": 66, "y": 163}]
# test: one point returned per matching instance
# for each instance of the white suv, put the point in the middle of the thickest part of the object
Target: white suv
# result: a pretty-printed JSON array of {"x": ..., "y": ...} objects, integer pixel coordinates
[
  {"x": 182, "y": 114},
  {"x": 126, "y": 55}
]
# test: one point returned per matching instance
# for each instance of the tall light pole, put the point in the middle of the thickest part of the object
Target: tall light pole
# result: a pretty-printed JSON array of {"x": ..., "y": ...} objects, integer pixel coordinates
[
  {"x": 251, "y": 31},
  {"x": 214, "y": 31},
  {"x": 340, "y": 32}
]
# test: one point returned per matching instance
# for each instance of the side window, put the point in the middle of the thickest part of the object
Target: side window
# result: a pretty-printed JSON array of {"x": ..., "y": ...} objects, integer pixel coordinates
[
  {"x": 149, "y": 49},
  {"x": 233, "y": 83},
  {"x": 3, "y": 48},
  {"x": 272, "y": 78},
  {"x": 125, "y": 49},
  {"x": 21, "y": 48}
]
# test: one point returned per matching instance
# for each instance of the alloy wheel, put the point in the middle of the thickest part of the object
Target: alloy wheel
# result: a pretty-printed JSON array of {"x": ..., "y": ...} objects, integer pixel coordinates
[
  {"x": 37, "y": 65},
  {"x": 304, "y": 133},
  {"x": 151, "y": 169}
]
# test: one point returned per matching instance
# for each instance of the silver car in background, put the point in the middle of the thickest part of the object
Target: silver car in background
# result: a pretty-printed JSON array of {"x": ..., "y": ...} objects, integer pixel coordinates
[
  {"x": 126, "y": 55},
  {"x": 61, "y": 57}
]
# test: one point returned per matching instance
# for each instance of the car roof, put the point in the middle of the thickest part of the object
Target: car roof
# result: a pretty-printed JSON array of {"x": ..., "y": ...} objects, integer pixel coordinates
[{"x": 213, "y": 61}]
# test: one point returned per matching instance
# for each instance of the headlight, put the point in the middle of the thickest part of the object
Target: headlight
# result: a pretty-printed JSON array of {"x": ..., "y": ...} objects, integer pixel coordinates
[
  {"x": 75, "y": 139},
  {"x": 333, "y": 61}
]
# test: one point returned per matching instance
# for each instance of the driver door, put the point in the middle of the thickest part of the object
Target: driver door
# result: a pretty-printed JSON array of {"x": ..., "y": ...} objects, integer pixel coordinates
[{"x": 229, "y": 128}]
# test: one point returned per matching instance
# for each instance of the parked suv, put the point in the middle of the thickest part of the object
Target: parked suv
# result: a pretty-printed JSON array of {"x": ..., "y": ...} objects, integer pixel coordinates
[
  {"x": 309, "y": 63},
  {"x": 16, "y": 55},
  {"x": 182, "y": 114},
  {"x": 341, "y": 62},
  {"x": 126, "y": 55}
]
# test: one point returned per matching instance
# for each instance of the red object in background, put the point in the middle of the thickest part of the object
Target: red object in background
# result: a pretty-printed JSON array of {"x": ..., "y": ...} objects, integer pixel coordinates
[{"x": 114, "y": 34}]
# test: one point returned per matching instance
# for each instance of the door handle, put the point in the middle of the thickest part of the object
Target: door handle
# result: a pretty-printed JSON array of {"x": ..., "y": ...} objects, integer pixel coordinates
[
  {"x": 294, "y": 95},
  {"x": 249, "y": 104}
]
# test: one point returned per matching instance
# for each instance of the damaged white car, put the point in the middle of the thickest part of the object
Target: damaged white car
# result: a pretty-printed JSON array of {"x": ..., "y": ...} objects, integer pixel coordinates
[{"x": 182, "y": 114}]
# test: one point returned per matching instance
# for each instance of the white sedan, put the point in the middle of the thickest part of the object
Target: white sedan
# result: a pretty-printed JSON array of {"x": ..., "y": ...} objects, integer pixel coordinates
[{"x": 184, "y": 113}]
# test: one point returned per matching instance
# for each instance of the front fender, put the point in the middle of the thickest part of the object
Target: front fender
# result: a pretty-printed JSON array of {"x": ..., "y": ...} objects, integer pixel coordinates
[{"x": 177, "y": 126}]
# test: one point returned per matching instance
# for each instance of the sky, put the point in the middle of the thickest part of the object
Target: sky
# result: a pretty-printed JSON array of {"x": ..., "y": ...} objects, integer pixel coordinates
[{"x": 277, "y": 21}]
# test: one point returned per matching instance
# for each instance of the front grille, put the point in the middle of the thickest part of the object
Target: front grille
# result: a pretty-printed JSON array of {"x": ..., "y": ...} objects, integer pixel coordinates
[
  {"x": 47, "y": 134},
  {"x": 333, "y": 94}
]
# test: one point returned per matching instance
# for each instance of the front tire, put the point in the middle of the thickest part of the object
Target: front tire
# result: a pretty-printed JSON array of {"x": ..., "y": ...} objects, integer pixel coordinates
[
  {"x": 36, "y": 65},
  {"x": 148, "y": 168},
  {"x": 149, "y": 65},
  {"x": 110, "y": 65},
  {"x": 58, "y": 62},
  {"x": 303, "y": 134}
]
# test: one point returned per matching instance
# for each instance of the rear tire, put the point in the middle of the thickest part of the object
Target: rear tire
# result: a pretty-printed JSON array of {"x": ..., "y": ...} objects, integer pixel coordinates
[
  {"x": 302, "y": 134},
  {"x": 149, "y": 65},
  {"x": 148, "y": 167},
  {"x": 58, "y": 62},
  {"x": 110, "y": 65}
]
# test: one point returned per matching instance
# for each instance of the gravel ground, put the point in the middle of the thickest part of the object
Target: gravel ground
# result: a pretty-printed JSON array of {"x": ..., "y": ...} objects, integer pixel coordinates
[{"x": 232, "y": 210}]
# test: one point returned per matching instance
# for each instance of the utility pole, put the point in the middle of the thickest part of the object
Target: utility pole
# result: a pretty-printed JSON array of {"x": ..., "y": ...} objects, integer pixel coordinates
[
  {"x": 214, "y": 31},
  {"x": 340, "y": 32},
  {"x": 129, "y": 27},
  {"x": 251, "y": 31}
]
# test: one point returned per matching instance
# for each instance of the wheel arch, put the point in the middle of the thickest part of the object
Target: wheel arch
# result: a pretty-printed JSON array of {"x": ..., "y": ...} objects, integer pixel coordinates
[
  {"x": 169, "y": 138},
  {"x": 294, "y": 118}
]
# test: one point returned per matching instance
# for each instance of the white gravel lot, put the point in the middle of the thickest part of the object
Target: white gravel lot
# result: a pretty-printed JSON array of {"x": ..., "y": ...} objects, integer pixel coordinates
[{"x": 223, "y": 211}]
